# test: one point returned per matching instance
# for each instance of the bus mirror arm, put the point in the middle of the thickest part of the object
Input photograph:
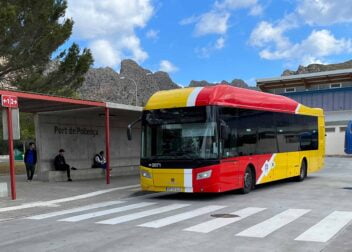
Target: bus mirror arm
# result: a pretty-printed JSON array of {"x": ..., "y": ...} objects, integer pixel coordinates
[{"x": 129, "y": 128}]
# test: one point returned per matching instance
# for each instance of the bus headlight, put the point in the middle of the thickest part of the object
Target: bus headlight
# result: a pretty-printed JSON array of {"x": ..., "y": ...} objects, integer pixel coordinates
[
  {"x": 146, "y": 174},
  {"x": 204, "y": 175}
]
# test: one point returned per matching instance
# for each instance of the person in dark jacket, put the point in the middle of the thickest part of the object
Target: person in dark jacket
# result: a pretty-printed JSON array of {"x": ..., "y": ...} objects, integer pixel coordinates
[
  {"x": 61, "y": 165},
  {"x": 99, "y": 161},
  {"x": 30, "y": 160}
]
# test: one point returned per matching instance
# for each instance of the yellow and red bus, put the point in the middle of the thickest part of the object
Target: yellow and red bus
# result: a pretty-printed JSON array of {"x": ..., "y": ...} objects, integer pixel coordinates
[{"x": 221, "y": 138}]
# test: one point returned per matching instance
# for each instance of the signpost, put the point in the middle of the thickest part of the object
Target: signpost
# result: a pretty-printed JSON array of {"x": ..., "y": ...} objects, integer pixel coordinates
[{"x": 10, "y": 102}]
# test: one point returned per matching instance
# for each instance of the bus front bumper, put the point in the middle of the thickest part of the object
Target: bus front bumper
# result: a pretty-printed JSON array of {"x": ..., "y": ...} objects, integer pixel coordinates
[{"x": 205, "y": 179}]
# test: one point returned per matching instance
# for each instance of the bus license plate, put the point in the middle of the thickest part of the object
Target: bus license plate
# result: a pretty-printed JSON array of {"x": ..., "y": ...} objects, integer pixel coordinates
[{"x": 173, "y": 189}]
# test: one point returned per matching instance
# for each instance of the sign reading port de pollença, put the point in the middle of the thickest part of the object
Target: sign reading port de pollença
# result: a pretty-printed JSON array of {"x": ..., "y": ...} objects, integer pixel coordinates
[{"x": 75, "y": 131}]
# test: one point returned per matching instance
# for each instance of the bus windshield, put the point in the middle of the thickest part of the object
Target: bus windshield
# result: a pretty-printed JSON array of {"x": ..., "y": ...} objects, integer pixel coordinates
[{"x": 182, "y": 133}]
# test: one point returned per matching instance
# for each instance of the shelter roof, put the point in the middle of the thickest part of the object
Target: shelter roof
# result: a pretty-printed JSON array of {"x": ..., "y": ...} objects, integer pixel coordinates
[{"x": 325, "y": 77}]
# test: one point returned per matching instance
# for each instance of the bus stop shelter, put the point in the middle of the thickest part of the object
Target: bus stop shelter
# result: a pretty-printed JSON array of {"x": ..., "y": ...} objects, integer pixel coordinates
[{"x": 59, "y": 118}]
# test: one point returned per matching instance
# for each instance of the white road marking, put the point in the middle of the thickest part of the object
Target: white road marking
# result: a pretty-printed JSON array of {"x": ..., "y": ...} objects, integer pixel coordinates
[
  {"x": 106, "y": 212},
  {"x": 180, "y": 217},
  {"x": 52, "y": 203},
  {"x": 92, "y": 194},
  {"x": 74, "y": 210},
  {"x": 278, "y": 221},
  {"x": 135, "y": 189},
  {"x": 327, "y": 227},
  {"x": 135, "y": 216},
  {"x": 217, "y": 223}
]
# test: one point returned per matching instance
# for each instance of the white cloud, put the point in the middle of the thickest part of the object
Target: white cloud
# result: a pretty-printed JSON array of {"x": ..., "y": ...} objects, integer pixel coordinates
[
  {"x": 167, "y": 66},
  {"x": 266, "y": 32},
  {"x": 318, "y": 45},
  {"x": 325, "y": 12},
  {"x": 206, "y": 51},
  {"x": 253, "y": 5},
  {"x": 215, "y": 21},
  {"x": 103, "y": 51},
  {"x": 220, "y": 43},
  {"x": 212, "y": 23},
  {"x": 152, "y": 34},
  {"x": 256, "y": 10},
  {"x": 275, "y": 44},
  {"x": 111, "y": 23},
  {"x": 189, "y": 20},
  {"x": 235, "y": 4}
]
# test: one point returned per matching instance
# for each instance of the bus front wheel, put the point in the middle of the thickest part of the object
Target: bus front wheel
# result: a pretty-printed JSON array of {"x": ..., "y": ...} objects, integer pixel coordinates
[
  {"x": 303, "y": 172},
  {"x": 248, "y": 181}
]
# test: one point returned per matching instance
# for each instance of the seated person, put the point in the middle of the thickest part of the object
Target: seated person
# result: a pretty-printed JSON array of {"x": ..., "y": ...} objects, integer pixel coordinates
[
  {"x": 60, "y": 164},
  {"x": 99, "y": 161}
]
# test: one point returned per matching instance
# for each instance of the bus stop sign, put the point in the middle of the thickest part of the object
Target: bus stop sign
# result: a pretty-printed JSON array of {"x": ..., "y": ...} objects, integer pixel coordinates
[{"x": 9, "y": 101}]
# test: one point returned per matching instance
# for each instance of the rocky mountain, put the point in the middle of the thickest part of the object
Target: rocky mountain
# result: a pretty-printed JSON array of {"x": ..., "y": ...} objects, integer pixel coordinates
[
  {"x": 108, "y": 85},
  {"x": 235, "y": 82},
  {"x": 105, "y": 84},
  {"x": 313, "y": 68}
]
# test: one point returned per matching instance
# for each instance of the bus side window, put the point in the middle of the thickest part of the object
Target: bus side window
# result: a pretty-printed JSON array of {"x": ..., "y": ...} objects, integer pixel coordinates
[
  {"x": 287, "y": 132},
  {"x": 228, "y": 132},
  {"x": 247, "y": 132},
  {"x": 266, "y": 134}
]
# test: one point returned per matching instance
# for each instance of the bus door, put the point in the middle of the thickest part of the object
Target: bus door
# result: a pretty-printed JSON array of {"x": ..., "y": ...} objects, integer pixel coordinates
[{"x": 288, "y": 143}]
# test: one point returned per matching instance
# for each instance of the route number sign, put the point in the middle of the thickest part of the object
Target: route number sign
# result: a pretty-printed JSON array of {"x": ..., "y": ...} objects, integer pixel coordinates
[{"x": 9, "y": 101}]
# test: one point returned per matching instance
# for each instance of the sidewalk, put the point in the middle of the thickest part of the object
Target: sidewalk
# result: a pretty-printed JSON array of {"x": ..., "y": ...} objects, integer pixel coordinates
[{"x": 36, "y": 191}]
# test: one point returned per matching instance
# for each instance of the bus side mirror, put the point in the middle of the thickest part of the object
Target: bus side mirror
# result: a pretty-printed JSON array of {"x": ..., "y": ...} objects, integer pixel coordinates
[
  {"x": 129, "y": 129},
  {"x": 129, "y": 133}
]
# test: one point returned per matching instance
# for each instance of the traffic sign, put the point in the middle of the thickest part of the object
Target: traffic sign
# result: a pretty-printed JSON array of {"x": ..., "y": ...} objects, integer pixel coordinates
[{"x": 9, "y": 101}]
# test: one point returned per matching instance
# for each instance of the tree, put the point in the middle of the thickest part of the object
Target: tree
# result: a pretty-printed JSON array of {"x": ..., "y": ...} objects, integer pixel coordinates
[{"x": 30, "y": 32}]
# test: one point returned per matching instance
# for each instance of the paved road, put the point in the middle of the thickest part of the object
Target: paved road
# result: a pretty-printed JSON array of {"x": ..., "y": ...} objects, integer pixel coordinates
[{"x": 314, "y": 215}]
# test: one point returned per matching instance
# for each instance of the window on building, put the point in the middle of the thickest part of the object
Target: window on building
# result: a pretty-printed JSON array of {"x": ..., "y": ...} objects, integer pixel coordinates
[
  {"x": 290, "y": 90},
  {"x": 335, "y": 85},
  {"x": 343, "y": 129},
  {"x": 330, "y": 130}
]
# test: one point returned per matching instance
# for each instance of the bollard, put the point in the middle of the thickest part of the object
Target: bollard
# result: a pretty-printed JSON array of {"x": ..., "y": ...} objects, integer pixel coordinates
[{"x": 3, "y": 190}]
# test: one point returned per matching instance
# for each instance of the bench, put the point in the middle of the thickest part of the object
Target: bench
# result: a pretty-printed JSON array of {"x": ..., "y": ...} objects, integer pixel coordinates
[{"x": 89, "y": 173}]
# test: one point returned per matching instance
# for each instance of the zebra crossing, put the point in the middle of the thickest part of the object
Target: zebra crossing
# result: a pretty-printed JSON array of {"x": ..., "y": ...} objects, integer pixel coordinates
[{"x": 323, "y": 231}]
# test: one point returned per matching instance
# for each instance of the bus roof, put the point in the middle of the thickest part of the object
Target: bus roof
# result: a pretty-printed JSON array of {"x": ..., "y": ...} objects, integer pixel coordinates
[{"x": 229, "y": 96}]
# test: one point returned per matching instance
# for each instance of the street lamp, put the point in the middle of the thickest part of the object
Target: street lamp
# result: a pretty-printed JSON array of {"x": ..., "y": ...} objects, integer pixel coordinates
[{"x": 124, "y": 77}]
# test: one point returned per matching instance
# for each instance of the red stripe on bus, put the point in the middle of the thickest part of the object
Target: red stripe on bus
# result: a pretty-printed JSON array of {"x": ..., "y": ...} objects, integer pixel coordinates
[
  {"x": 225, "y": 95},
  {"x": 228, "y": 175}
]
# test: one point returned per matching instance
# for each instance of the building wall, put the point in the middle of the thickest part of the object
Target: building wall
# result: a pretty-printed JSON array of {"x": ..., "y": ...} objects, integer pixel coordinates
[
  {"x": 335, "y": 125},
  {"x": 82, "y": 135},
  {"x": 324, "y": 86},
  {"x": 330, "y": 99},
  {"x": 335, "y": 140}
]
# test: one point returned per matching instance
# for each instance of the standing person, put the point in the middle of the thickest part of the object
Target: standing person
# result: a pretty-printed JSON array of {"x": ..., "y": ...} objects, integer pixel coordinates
[
  {"x": 30, "y": 160},
  {"x": 60, "y": 164},
  {"x": 99, "y": 161}
]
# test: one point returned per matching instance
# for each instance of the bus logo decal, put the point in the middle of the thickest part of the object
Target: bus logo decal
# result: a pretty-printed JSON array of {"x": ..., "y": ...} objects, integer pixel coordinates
[{"x": 266, "y": 168}]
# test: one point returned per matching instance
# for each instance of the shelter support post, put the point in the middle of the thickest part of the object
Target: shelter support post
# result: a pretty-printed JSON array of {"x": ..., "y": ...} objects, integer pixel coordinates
[
  {"x": 11, "y": 154},
  {"x": 107, "y": 144}
]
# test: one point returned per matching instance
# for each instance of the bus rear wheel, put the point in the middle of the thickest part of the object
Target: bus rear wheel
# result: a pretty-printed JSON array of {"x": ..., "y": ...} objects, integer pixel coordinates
[
  {"x": 248, "y": 181},
  {"x": 303, "y": 172}
]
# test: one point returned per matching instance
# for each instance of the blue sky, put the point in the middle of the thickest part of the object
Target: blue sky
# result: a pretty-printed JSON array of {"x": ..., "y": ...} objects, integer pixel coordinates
[{"x": 214, "y": 40}]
